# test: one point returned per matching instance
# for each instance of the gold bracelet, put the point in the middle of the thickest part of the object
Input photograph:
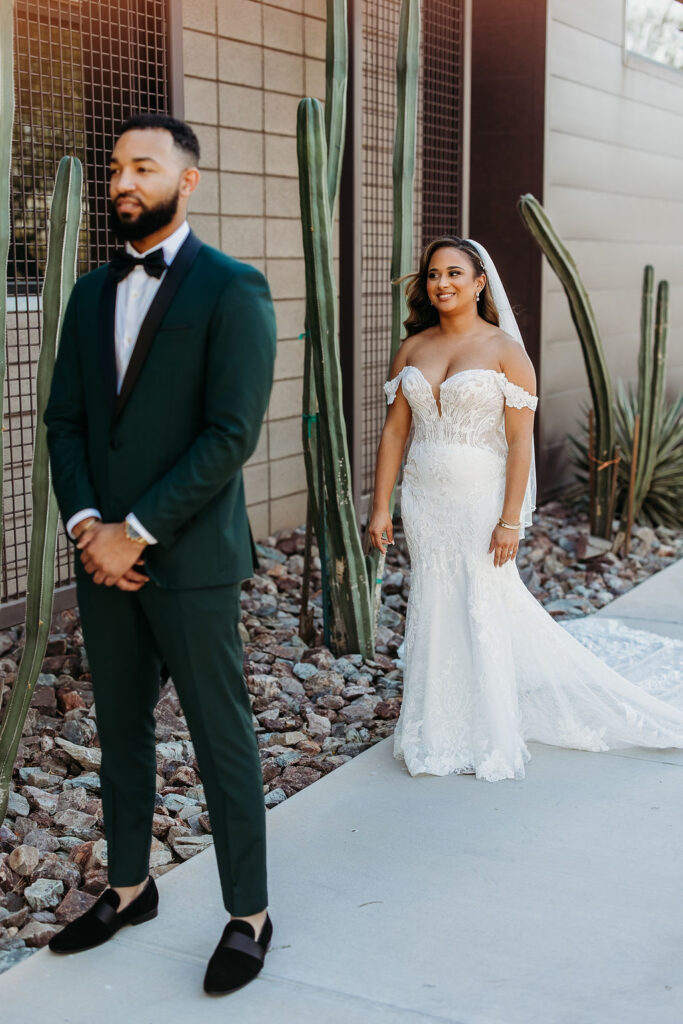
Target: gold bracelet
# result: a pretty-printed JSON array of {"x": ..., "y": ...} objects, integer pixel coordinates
[
  {"x": 508, "y": 526},
  {"x": 89, "y": 523}
]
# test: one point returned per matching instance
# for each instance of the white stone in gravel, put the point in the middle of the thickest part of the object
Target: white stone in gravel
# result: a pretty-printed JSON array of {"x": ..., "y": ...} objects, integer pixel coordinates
[
  {"x": 99, "y": 853},
  {"x": 176, "y": 801},
  {"x": 37, "y": 777},
  {"x": 40, "y": 799},
  {"x": 44, "y": 894},
  {"x": 70, "y": 818},
  {"x": 318, "y": 726},
  {"x": 305, "y": 669},
  {"x": 18, "y": 805},
  {"x": 89, "y": 758},
  {"x": 88, "y": 780},
  {"x": 187, "y": 846},
  {"x": 24, "y": 860},
  {"x": 276, "y": 796}
]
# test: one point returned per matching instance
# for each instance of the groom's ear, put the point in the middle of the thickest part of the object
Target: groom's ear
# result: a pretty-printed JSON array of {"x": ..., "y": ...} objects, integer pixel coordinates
[{"x": 189, "y": 180}]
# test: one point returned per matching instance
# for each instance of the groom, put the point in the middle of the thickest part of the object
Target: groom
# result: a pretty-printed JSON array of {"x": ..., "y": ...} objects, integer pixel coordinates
[{"x": 160, "y": 387}]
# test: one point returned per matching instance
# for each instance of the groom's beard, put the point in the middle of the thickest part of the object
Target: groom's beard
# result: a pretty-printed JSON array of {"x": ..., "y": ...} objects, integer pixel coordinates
[{"x": 150, "y": 219}]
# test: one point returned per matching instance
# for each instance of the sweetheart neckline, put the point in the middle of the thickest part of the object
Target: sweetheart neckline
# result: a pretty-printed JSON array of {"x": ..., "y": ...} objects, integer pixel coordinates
[
  {"x": 470, "y": 369},
  {"x": 458, "y": 373}
]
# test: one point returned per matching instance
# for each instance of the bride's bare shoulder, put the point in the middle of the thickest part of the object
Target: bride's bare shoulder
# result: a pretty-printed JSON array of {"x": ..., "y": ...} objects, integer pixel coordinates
[
  {"x": 513, "y": 359},
  {"x": 406, "y": 351}
]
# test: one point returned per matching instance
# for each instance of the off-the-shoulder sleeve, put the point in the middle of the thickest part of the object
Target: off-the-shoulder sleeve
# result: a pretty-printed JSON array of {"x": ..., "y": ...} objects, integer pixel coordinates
[
  {"x": 391, "y": 387},
  {"x": 516, "y": 396}
]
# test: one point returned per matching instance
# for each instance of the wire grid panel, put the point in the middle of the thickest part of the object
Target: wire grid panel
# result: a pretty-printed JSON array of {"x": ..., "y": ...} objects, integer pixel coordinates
[
  {"x": 80, "y": 69},
  {"x": 437, "y": 177}
]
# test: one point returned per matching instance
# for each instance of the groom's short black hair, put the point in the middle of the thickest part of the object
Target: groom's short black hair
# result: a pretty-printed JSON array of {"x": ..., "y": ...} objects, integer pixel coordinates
[{"x": 183, "y": 136}]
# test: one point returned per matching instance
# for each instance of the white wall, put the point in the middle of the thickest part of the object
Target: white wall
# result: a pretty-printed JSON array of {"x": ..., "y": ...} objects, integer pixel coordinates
[{"x": 614, "y": 191}]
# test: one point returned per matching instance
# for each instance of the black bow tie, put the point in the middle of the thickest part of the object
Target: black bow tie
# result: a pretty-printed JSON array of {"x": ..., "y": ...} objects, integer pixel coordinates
[{"x": 122, "y": 263}]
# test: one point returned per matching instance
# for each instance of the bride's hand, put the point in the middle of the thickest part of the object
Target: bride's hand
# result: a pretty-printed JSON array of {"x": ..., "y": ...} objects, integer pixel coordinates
[
  {"x": 380, "y": 524},
  {"x": 505, "y": 543}
]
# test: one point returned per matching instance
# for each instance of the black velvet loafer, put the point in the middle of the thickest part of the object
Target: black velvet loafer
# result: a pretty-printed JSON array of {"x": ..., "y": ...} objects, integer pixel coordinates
[
  {"x": 237, "y": 958},
  {"x": 99, "y": 923}
]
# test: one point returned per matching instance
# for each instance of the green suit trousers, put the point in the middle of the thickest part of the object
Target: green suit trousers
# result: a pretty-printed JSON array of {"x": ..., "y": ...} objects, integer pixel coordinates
[{"x": 194, "y": 632}]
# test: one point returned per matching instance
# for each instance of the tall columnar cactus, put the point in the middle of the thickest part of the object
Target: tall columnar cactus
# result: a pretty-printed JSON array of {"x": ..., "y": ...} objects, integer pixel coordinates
[
  {"x": 539, "y": 226},
  {"x": 336, "y": 78},
  {"x": 403, "y": 165},
  {"x": 651, "y": 380},
  {"x": 349, "y": 592},
  {"x": 60, "y": 274},
  {"x": 407, "y": 78},
  {"x": 6, "y": 121}
]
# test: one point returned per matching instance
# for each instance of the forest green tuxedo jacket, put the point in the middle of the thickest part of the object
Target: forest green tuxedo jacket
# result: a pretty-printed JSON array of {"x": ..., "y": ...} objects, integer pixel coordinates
[{"x": 171, "y": 445}]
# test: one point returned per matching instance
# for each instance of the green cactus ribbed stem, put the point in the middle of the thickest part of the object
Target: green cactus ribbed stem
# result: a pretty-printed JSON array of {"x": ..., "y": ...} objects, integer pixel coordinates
[
  {"x": 6, "y": 123},
  {"x": 403, "y": 164},
  {"x": 60, "y": 274},
  {"x": 540, "y": 228},
  {"x": 349, "y": 592},
  {"x": 645, "y": 369},
  {"x": 336, "y": 78},
  {"x": 651, "y": 427},
  {"x": 403, "y": 170}
]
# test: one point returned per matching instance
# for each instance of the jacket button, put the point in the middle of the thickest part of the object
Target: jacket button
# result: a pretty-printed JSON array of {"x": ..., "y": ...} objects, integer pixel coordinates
[{"x": 114, "y": 443}]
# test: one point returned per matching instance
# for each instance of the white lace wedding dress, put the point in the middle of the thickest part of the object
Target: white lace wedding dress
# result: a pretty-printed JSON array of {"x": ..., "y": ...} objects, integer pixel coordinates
[{"x": 486, "y": 668}]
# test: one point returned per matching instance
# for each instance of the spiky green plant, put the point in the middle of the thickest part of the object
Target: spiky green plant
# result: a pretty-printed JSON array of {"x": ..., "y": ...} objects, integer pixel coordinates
[
  {"x": 403, "y": 169},
  {"x": 538, "y": 224},
  {"x": 60, "y": 274},
  {"x": 349, "y": 592},
  {"x": 658, "y": 496}
]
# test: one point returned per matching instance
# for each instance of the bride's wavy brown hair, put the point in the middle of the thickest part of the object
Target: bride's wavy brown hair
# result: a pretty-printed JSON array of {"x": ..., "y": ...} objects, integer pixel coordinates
[{"x": 421, "y": 313}]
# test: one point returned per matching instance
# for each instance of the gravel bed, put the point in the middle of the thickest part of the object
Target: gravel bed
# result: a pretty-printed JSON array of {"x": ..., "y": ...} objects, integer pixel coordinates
[{"x": 312, "y": 713}]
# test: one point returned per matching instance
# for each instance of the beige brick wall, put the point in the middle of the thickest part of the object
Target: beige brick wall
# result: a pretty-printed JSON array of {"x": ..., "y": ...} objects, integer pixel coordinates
[
  {"x": 247, "y": 63},
  {"x": 613, "y": 169}
]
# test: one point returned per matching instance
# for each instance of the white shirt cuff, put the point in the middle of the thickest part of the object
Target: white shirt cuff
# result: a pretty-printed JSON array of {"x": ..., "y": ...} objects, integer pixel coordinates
[
  {"x": 137, "y": 525},
  {"x": 78, "y": 517}
]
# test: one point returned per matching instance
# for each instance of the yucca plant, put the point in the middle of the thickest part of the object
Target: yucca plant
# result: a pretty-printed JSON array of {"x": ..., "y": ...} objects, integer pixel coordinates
[
  {"x": 658, "y": 476},
  {"x": 663, "y": 501}
]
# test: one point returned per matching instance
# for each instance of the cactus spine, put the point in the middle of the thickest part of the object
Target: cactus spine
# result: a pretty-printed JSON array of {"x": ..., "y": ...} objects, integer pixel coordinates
[
  {"x": 349, "y": 591},
  {"x": 60, "y": 274},
  {"x": 403, "y": 168},
  {"x": 539, "y": 226}
]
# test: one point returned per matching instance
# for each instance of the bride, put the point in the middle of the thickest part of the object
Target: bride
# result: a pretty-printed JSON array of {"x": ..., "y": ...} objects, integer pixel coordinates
[{"x": 486, "y": 668}]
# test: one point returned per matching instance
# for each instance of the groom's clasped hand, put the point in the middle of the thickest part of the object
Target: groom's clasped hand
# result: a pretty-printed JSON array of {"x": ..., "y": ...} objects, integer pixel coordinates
[{"x": 110, "y": 557}]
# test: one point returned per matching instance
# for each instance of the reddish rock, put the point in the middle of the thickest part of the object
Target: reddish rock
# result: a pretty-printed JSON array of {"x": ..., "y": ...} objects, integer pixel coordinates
[
  {"x": 37, "y": 934},
  {"x": 95, "y": 882},
  {"x": 295, "y": 778},
  {"x": 74, "y": 904},
  {"x": 69, "y": 700},
  {"x": 270, "y": 770}
]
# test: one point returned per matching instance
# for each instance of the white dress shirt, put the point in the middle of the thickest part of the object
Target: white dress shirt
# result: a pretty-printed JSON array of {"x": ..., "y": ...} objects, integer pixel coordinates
[{"x": 134, "y": 296}]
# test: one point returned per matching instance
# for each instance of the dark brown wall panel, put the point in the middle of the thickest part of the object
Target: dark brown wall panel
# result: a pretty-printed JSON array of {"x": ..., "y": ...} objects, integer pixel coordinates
[{"x": 508, "y": 101}]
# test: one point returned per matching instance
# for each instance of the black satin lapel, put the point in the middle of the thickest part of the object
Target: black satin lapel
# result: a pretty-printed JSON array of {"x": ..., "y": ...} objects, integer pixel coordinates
[
  {"x": 162, "y": 300},
  {"x": 106, "y": 317}
]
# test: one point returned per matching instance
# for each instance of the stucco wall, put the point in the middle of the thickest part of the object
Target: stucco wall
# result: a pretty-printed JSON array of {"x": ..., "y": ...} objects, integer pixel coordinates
[
  {"x": 613, "y": 173},
  {"x": 247, "y": 63}
]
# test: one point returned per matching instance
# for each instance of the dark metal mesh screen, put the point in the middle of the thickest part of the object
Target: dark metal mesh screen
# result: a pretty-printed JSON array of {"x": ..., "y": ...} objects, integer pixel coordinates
[
  {"x": 437, "y": 177},
  {"x": 80, "y": 69}
]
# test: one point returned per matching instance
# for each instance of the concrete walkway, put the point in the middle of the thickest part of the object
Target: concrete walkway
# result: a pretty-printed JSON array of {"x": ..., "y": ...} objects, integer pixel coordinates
[{"x": 557, "y": 900}]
